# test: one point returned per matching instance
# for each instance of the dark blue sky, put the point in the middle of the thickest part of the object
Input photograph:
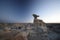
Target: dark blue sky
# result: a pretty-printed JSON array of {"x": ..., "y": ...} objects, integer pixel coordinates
[{"x": 17, "y": 11}]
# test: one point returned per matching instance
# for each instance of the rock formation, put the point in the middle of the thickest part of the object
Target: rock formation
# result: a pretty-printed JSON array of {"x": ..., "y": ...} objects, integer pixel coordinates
[{"x": 25, "y": 31}]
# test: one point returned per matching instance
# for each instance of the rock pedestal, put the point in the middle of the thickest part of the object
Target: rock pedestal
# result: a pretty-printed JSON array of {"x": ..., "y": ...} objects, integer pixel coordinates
[{"x": 40, "y": 31}]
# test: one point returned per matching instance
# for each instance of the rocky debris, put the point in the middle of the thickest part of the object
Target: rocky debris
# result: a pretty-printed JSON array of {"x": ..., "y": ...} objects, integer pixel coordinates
[{"x": 12, "y": 36}]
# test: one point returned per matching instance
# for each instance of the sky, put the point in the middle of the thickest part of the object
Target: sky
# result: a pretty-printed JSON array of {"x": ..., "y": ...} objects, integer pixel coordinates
[{"x": 20, "y": 11}]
